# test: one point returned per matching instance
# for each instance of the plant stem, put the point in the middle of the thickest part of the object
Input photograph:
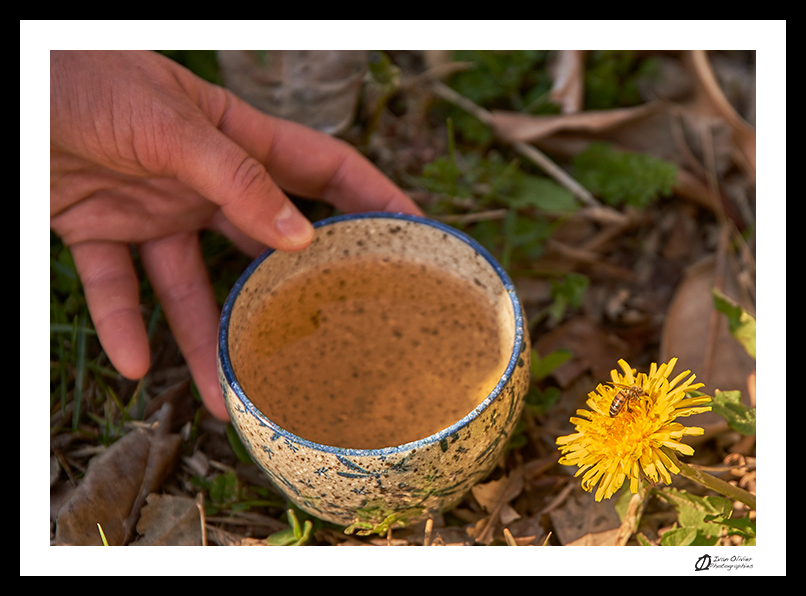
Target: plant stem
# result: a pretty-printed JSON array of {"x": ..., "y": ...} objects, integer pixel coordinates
[{"x": 714, "y": 483}]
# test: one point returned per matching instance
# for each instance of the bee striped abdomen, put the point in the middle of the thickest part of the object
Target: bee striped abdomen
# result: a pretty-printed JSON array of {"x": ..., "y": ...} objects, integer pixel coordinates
[{"x": 623, "y": 398}]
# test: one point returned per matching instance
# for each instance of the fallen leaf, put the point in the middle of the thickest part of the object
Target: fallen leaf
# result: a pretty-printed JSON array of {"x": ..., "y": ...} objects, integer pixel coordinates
[
  {"x": 711, "y": 98},
  {"x": 514, "y": 126},
  {"x": 168, "y": 520},
  {"x": 568, "y": 73},
  {"x": 606, "y": 538},
  {"x": 224, "y": 538},
  {"x": 116, "y": 485},
  {"x": 494, "y": 497},
  {"x": 699, "y": 337},
  {"x": 581, "y": 515}
]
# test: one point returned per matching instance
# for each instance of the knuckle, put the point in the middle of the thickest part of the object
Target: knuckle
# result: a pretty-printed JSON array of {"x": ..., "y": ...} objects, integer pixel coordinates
[{"x": 250, "y": 177}]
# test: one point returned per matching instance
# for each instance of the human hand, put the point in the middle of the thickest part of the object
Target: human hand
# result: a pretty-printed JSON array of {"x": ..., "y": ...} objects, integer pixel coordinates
[{"x": 144, "y": 152}]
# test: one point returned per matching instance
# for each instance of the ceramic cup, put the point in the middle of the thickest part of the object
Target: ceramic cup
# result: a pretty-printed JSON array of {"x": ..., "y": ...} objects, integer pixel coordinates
[{"x": 415, "y": 477}]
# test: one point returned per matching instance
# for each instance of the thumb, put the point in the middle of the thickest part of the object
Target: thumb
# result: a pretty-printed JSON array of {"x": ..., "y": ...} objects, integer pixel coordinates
[{"x": 222, "y": 171}]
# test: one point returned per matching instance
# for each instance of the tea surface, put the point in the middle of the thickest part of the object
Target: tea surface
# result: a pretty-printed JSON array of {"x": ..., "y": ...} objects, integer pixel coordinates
[{"x": 370, "y": 353}]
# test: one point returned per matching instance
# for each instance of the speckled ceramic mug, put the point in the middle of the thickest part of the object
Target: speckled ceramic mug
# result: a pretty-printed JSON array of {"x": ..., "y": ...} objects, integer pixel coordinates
[{"x": 414, "y": 476}]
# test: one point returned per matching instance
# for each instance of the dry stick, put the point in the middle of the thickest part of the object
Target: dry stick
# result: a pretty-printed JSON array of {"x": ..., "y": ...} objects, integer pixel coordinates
[
  {"x": 200, "y": 506},
  {"x": 429, "y": 528},
  {"x": 463, "y": 218},
  {"x": 528, "y": 151}
]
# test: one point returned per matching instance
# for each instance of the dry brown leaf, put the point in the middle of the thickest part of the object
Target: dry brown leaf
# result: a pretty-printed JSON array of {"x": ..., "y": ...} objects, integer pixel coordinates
[
  {"x": 116, "y": 485},
  {"x": 710, "y": 97},
  {"x": 568, "y": 73},
  {"x": 494, "y": 496},
  {"x": 693, "y": 329},
  {"x": 224, "y": 538},
  {"x": 168, "y": 520},
  {"x": 581, "y": 515},
  {"x": 606, "y": 538},
  {"x": 513, "y": 126}
]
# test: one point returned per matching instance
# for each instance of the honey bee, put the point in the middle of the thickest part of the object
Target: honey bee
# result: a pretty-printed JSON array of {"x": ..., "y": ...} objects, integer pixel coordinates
[{"x": 625, "y": 397}]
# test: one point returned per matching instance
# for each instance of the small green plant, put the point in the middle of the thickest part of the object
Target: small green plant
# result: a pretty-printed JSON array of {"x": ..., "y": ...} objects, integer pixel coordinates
[
  {"x": 509, "y": 80},
  {"x": 226, "y": 493},
  {"x": 624, "y": 177},
  {"x": 741, "y": 324},
  {"x": 702, "y": 520},
  {"x": 613, "y": 78},
  {"x": 392, "y": 520},
  {"x": 566, "y": 292},
  {"x": 297, "y": 534}
]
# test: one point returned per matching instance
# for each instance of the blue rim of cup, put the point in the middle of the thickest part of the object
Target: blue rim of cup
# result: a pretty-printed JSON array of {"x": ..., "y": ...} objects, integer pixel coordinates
[{"x": 517, "y": 348}]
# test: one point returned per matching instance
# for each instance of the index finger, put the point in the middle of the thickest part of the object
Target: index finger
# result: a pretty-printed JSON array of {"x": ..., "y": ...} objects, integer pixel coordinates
[{"x": 312, "y": 164}]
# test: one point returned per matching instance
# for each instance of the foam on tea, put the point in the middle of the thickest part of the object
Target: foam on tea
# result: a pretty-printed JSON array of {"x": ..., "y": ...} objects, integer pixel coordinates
[{"x": 370, "y": 352}]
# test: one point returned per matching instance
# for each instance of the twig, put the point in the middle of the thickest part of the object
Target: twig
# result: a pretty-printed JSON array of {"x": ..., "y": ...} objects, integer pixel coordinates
[
  {"x": 200, "y": 506},
  {"x": 528, "y": 151},
  {"x": 429, "y": 528},
  {"x": 552, "y": 169},
  {"x": 463, "y": 218}
]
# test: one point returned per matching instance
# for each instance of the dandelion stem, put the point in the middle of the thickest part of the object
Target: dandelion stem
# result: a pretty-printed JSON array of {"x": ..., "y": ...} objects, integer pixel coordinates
[{"x": 714, "y": 483}]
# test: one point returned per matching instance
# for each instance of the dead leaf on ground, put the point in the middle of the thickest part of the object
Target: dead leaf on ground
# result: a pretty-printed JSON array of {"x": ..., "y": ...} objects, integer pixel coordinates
[
  {"x": 710, "y": 97},
  {"x": 606, "y": 538},
  {"x": 494, "y": 496},
  {"x": 222, "y": 537},
  {"x": 698, "y": 335},
  {"x": 116, "y": 486},
  {"x": 568, "y": 71},
  {"x": 514, "y": 126},
  {"x": 580, "y": 516},
  {"x": 168, "y": 520}
]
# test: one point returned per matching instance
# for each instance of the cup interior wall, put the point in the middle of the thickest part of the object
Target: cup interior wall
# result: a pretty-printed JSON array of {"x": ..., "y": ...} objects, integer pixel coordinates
[{"x": 408, "y": 240}]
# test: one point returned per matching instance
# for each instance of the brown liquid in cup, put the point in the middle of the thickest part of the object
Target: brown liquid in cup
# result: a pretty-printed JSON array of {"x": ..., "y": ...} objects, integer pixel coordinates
[{"x": 370, "y": 353}]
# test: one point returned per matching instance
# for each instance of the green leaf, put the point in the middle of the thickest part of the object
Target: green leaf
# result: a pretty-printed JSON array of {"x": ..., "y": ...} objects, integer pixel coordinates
[
  {"x": 540, "y": 192},
  {"x": 568, "y": 292},
  {"x": 742, "y": 325},
  {"x": 224, "y": 488},
  {"x": 623, "y": 177},
  {"x": 613, "y": 78},
  {"x": 543, "y": 367},
  {"x": 740, "y": 417},
  {"x": 395, "y": 519},
  {"x": 703, "y": 515},
  {"x": 295, "y": 535},
  {"x": 542, "y": 401},
  {"x": 237, "y": 446},
  {"x": 687, "y": 537},
  {"x": 744, "y": 527}
]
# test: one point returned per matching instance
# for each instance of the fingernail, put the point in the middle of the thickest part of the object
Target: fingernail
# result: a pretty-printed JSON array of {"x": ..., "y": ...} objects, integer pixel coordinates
[{"x": 292, "y": 225}]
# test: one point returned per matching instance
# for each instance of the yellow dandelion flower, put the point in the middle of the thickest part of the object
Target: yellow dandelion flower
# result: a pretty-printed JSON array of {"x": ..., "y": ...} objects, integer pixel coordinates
[{"x": 609, "y": 448}]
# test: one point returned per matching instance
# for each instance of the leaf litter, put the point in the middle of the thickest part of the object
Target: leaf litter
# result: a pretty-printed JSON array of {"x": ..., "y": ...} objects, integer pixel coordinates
[{"x": 176, "y": 479}]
